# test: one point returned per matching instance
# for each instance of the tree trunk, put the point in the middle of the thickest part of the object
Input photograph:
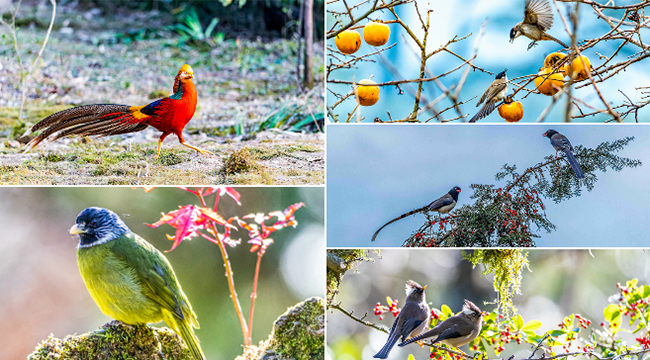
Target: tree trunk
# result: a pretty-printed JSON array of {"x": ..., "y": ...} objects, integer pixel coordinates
[{"x": 309, "y": 43}]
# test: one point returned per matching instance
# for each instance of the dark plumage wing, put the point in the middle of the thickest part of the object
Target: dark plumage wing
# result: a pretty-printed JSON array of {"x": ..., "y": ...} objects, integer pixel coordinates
[
  {"x": 443, "y": 201},
  {"x": 539, "y": 12},
  {"x": 486, "y": 110},
  {"x": 560, "y": 142},
  {"x": 450, "y": 332}
]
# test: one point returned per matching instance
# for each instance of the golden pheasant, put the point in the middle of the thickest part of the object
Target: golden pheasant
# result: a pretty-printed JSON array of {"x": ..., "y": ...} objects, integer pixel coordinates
[{"x": 169, "y": 115}]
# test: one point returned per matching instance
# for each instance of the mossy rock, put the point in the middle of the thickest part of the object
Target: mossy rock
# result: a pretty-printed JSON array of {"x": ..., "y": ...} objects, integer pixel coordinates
[
  {"x": 115, "y": 341},
  {"x": 298, "y": 334}
]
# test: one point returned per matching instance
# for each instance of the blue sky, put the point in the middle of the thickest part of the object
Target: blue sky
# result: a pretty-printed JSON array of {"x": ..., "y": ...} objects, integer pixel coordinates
[
  {"x": 451, "y": 18},
  {"x": 377, "y": 172}
]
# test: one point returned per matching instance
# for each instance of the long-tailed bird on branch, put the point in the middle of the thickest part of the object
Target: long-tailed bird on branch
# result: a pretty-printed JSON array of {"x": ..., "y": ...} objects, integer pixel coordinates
[
  {"x": 538, "y": 18},
  {"x": 494, "y": 94},
  {"x": 456, "y": 331},
  {"x": 561, "y": 143},
  {"x": 443, "y": 206},
  {"x": 412, "y": 319},
  {"x": 169, "y": 115}
]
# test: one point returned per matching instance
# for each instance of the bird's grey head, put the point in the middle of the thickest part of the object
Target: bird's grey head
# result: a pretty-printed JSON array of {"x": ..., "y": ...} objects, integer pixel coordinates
[
  {"x": 549, "y": 133},
  {"x": 502, "y": 74},
  {"x": 471, "y": 310},
  {"x": 97, "y": 225},
  {"x": 414, "y": 292}
]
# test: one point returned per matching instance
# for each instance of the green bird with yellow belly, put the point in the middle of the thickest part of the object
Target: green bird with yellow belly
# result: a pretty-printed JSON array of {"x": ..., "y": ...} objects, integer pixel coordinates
[{"x": 129, "y": 279}]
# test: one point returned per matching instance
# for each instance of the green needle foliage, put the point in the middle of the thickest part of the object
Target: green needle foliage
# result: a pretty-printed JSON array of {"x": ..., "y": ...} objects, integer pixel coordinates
[{"x": 513, "y": 215}]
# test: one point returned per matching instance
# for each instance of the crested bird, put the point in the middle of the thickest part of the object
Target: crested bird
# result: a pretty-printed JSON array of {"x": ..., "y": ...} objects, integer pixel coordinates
[
  {"x": 561, "y": 143},
  {"x": 538, "y": 18},
  {"x": 412, "y": 319},
  {"x": 456, "y": 331},
  {"x": 443, "y": 205},
  {"x": 129, "y": 279},
  {"x": 169, "y": 115},
  {"x": 494, "y": 94}
]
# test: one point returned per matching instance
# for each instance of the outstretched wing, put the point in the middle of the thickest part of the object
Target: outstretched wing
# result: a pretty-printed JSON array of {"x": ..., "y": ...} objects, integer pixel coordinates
[
  {"x": 539, "y": 12},
  {"x": 443, "y": 201}
]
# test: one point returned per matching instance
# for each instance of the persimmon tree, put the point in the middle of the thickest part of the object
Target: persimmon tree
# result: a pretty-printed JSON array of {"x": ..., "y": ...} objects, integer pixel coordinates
[{"x": 586, "y": 63}]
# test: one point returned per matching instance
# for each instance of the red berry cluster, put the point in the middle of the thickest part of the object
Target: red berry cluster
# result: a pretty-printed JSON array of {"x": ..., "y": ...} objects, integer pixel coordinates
[
  {"x": 583, "y": 323},
  {"x": 380, "y": 309},
  {"x": 644, "y": 341}
]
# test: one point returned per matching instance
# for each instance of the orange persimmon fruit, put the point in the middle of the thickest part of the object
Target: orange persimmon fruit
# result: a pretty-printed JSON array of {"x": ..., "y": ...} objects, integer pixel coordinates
[
  {"x": 547, "y": 82},
  {"x": 367, "y": 95},
  {"x": 577, "y": 71},
  {"x": 376, "y": 34},
  {"x": 348, "y": 41},
  {"x": 553, "y": 59},
  {"x": 511, "y": 111}
]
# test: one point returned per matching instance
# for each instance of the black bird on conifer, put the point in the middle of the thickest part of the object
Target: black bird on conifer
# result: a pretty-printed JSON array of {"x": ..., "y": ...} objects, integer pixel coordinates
[
  {"x": 561, "y": 143},
  {"x": 443, "y": 205}
]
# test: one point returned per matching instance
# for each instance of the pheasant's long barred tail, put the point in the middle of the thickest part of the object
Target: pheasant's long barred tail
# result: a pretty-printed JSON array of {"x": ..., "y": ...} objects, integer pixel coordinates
[{"x": 96, "y": 119}]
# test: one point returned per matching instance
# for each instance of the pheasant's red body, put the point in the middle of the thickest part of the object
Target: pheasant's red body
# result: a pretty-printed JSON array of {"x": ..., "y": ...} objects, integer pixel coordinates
[{"x": 168, "y": 115}]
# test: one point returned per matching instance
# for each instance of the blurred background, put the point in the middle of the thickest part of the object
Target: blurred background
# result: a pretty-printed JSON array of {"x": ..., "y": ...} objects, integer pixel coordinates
[
  {"x": 560, "y": 282},
  {"x": 376, "y": 173},
  {"x": 42, "y": 293},
  {"x": 495, "y": 53}
]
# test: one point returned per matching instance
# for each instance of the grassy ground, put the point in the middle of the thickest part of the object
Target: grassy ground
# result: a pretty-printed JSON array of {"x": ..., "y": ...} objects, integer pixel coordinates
[{"x": 248, "y": 103}]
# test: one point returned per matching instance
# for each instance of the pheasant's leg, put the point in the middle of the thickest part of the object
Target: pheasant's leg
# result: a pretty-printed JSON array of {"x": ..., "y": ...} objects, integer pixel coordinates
[
  {"x": 198, "y": 151},
  {"x": 160, "y": 140}
]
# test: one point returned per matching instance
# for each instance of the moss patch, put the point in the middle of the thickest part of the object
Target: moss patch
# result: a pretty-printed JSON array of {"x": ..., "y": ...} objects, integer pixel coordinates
[
  {"x": 239, "y": 161},
  {"x": 115, "y": 340},
  {"x": 298, "y": 334}
]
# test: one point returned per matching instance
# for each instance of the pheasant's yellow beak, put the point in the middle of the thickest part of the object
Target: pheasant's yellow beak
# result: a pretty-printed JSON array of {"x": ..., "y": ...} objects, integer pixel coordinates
[{"x": 75, "y": 230}]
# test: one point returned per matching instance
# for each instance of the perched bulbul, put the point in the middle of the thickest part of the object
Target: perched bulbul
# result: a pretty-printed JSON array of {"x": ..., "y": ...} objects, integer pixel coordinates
[
  {"x": 538, "y": 18},
  {"x": 456, "y": 331},
  {"x": 561, "y": 143},
  {"x": 492, "y": 96},
  {"x": 412, "y": 319},
  {"x": 443, "y": 206}
]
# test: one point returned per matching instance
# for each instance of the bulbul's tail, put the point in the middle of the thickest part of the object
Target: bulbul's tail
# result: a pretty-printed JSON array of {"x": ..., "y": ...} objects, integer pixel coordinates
[
  {"x": 486, "y": 110},
  {"x": 549, "y": 37},
  {"x": 412, "y": 212},
  {"x": 392, "y": 339},
  {"x": 574, "y": 164}
]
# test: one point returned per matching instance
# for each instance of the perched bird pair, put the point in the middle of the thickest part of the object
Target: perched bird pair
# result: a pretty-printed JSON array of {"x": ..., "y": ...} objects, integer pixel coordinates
[
  {"x": 443, "y": 205},
  {"x": 169, "y": 115},
  {"x": 129, "y": 279},
  {"x": 413, "y": 318}
]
